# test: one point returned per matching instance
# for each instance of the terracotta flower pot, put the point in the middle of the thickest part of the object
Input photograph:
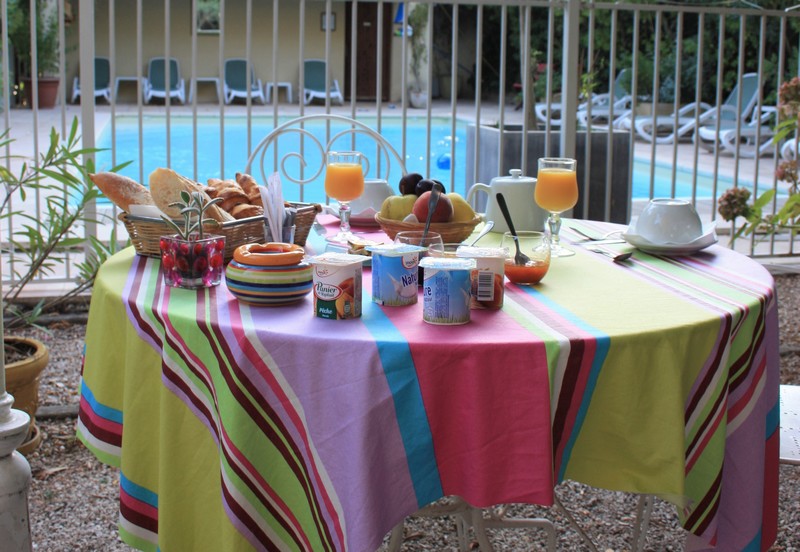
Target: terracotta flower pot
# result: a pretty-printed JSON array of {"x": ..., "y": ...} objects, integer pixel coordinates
[
  {"x": 22, "y": 382},
  {"x": 47, "y": 92}
]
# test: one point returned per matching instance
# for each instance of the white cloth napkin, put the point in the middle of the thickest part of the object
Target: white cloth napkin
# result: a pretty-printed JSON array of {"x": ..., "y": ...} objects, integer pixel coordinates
[{"x": 272, "y": 197}]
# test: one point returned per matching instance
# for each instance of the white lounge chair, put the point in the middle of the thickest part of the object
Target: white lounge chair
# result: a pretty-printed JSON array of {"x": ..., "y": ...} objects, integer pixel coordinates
[
  {"x": 235, "y": 82},
  {"x": 666, "y": 129},
  {"x": 789, "y": 150},
  {"x": 753, "y": 137},
  {"x": 599, "y": 105},
  {"x": 609, "y": 107},
  {"x": 102, "y": 80},
  {"x": 155, "y": 84},
  {"x": 314, "y": 83}
]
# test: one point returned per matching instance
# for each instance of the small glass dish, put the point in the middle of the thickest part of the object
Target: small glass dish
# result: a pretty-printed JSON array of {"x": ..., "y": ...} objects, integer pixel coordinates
[{"x": 537, "y": 247}]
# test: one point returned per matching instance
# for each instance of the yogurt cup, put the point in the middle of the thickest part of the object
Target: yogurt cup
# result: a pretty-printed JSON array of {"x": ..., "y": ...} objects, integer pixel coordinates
[
  {"x": 394, "y": 274},
  {"x": 488, "y": 285},
  {"x": 337, "y": 285},
  {"x": 446, "y": 290}
]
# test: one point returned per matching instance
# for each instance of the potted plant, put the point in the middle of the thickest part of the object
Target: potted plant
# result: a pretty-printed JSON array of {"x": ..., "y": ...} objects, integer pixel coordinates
[
  {"x": 735, "y": 202},
  {"x": 190, "y": 259},
  {"x": 47, "y": 48},
  {"x": 36, "y": 246},
  {"x": 417, "y": 21}
]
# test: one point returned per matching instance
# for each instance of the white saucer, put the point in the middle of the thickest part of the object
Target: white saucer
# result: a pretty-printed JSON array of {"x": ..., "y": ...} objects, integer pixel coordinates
[
  {"x": 708, "y": 238},
  {"x": 362, "y": 218}
]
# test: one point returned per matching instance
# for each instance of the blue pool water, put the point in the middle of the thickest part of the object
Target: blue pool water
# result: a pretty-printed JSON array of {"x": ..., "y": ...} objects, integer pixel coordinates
[{"x": 235, "y": 154}]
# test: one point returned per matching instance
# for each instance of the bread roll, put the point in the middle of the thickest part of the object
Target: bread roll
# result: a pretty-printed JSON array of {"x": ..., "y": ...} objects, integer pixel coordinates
[
  {"x": 166, "y": 186},
  {"x": 123, "y": 191}
]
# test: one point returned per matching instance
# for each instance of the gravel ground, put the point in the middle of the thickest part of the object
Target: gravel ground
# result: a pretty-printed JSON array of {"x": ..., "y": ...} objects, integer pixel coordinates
[{"x": 73, "y": 499}]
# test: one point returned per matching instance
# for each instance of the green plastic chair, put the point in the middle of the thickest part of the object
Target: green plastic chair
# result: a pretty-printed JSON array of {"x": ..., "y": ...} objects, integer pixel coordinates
[
  {"x": 235, "y": 82},
  {"x": 314, "y": 83},
  {"x": 102, "y": 80},
  {"x": 155, "y": 84}
]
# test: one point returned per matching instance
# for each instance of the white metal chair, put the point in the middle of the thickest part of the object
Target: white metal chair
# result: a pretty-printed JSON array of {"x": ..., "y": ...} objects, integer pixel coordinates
[
  {"x": 379, "y": 153},
  {"x": 790, "y": 425},
  {"x": 469, "y": 516}
]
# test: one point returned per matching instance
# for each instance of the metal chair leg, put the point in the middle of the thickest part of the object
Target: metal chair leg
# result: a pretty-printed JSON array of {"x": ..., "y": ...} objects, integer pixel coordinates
[
  {"x": 498, "y": 520},
  {"x": 479, "y": 528},
  {"x": 644, "y": 508},
  {"x": 588, "y": 541},
  {"x": 396, "y": 540}
]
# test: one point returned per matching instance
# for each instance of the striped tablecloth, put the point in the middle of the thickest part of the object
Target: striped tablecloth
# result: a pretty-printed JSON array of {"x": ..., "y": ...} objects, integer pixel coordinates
[{"x": 240, "y": 428}]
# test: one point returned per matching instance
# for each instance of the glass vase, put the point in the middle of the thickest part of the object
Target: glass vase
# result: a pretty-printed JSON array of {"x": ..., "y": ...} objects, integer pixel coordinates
[{"x": 192, "y": 263}]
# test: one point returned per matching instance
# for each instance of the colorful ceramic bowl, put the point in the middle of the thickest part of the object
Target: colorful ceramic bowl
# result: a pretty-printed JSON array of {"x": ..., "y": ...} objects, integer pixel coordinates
[{"x": 269, "y": 285}]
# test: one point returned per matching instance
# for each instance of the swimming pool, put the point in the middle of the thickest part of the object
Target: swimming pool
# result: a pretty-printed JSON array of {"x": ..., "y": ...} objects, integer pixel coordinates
[{"x": 235, "y": 154}]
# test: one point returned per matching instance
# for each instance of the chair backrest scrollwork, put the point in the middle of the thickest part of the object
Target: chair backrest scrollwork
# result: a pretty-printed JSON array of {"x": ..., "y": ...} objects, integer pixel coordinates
[{"x": 379, "y": 153}]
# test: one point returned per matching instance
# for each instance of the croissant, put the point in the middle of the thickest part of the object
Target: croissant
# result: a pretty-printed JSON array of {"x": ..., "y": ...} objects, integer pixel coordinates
[
  {"x": 245, "y": 210},
  {"x": 255, "y": 198},
  {"x": 248, "y": 183}
]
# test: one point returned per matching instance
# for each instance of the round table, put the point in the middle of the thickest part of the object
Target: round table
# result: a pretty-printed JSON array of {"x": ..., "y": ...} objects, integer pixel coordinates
[{"x": 245, "y": 427}]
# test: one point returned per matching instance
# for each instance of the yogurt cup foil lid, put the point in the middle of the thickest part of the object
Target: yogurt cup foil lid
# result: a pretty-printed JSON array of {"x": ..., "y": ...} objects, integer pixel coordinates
[
  {"x": 482, "y": 252},
  {"x": 340, "y": 259},
  {"x": 394, "y": 249},
  {"x": 447, "y": 263}
]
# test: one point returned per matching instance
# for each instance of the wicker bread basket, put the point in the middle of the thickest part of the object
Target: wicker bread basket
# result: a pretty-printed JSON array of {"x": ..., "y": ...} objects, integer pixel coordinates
[
  {"x": 146, "y": 232},
  {"x": 451, "y": 232}
]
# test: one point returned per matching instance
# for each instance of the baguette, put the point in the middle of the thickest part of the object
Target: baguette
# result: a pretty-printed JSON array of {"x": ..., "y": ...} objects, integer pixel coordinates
[
  {"x": 166, "y": 186},
  {"x": 123, "y": 191}
]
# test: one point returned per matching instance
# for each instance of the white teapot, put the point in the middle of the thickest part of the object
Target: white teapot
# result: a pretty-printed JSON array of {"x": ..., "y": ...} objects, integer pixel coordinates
[
  {"x": 375, "y": 191},
  {"x": 518, "y": 191}
]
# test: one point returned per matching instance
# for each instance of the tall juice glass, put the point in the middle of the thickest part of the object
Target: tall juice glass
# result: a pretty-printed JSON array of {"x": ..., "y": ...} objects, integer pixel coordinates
[
  {"x": 556, "y": 191},
  {"x": 344, "y": 182}
]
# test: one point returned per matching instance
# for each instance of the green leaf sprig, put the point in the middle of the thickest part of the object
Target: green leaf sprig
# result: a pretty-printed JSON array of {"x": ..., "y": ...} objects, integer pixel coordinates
[{"x": 192, "y": 205}]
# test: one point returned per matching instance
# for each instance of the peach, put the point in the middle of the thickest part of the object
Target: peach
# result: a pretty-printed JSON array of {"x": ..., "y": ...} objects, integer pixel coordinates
[{"x": 442, "y": 213}]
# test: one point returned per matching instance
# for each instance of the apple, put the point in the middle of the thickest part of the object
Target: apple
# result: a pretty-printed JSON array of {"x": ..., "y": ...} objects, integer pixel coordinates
[
  {"x": 398, "y": 207},
  {"x": 408, "y": 183},
  {"x": 442, "y": 213}
]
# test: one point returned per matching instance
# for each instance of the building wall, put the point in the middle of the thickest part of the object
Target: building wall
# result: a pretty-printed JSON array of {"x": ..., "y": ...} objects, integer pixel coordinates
[{"x": 124, "y": 31}]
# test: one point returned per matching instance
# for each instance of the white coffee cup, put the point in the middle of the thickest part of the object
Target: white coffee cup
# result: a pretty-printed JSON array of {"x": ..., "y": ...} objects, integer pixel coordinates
[{"x": 669, "y": 221}]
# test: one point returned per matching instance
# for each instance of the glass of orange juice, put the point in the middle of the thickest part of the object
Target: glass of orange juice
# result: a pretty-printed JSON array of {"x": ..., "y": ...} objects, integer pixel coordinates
[
  {"x": 344, "y": 182},
  {"x": 556, "y": 191}
]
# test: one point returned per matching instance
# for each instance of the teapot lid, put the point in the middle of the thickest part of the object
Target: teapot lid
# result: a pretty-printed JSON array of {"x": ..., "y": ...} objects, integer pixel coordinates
[{"x": 516, "y": 177}]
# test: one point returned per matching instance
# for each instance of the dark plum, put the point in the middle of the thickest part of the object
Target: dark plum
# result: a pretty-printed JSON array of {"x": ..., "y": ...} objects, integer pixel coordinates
[
  {"x": 426, "y": 185},
  {"x": 409, "y": 183}
]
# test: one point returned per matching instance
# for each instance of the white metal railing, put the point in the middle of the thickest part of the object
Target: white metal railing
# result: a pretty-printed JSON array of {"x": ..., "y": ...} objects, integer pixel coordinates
[{"x": 469, "y": 42}]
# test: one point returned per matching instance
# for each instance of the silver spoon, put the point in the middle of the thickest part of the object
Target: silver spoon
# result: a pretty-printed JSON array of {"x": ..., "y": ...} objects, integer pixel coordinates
[
  {"x": 520, "y": 259},
  {"x": 595, "y": 238},
  {"x": 487, "y": 227},
  {"x": 432, "y": 202},
  {"x": 616, "y": 257}
]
